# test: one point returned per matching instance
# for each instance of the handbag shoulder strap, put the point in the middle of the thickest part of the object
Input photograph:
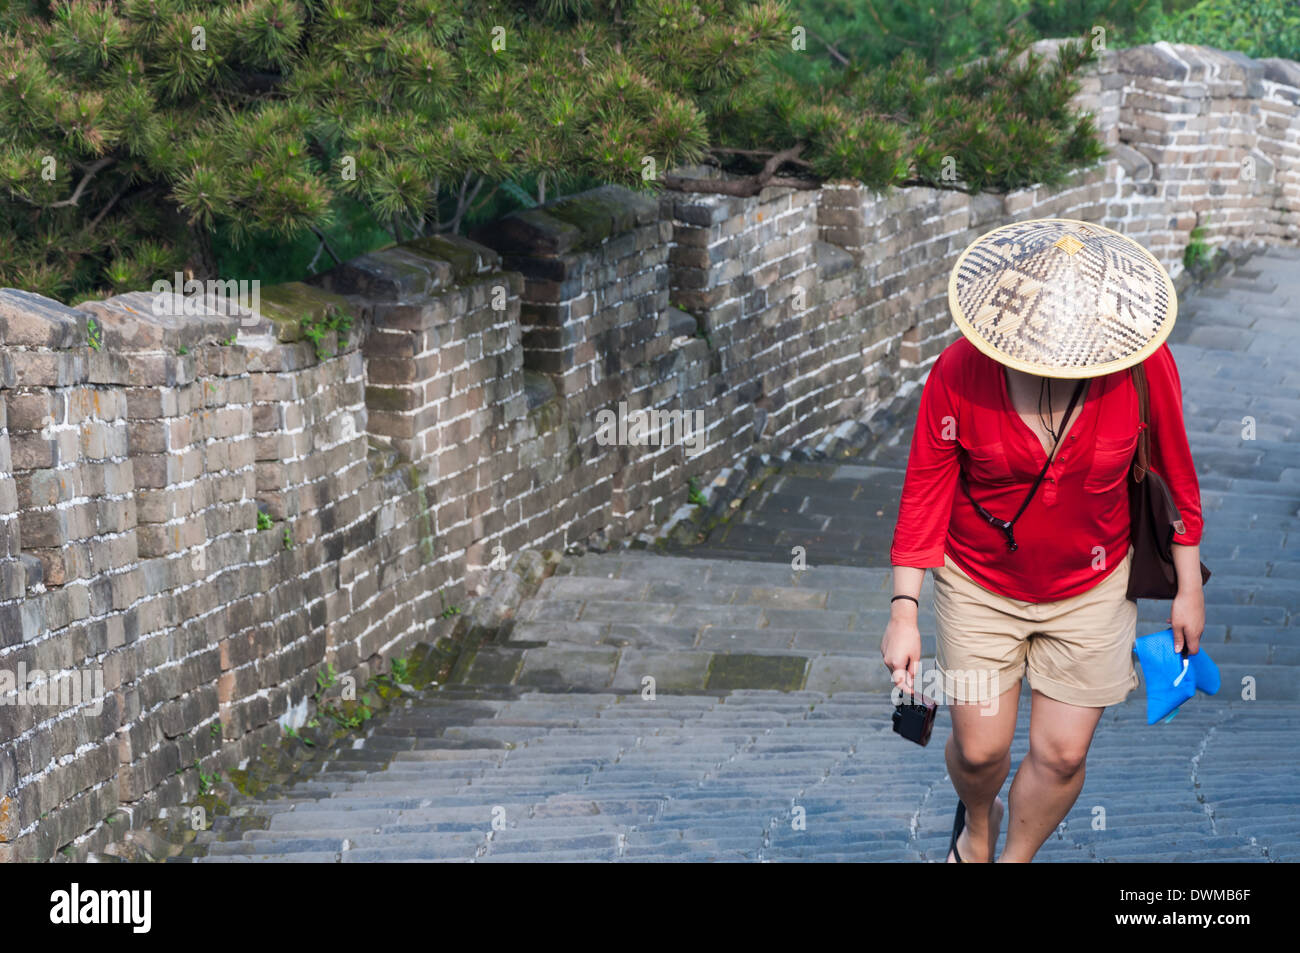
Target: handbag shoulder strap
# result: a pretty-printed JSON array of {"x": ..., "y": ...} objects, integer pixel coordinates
[{"x": 1142, "y": 459}]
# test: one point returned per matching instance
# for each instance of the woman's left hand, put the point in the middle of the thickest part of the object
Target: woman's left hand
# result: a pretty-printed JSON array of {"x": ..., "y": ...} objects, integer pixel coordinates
[
  {"x": 1187, "y": 618},
  {"x": 1187, "y": 614}
]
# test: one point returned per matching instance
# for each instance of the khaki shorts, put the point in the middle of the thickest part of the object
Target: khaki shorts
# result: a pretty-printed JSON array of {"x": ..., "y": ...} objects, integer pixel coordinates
[{"x": 1076, "y": 650}]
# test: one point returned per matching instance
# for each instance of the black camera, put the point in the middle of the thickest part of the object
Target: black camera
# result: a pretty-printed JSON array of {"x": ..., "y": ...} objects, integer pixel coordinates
[{"x": 915, "y": 720}]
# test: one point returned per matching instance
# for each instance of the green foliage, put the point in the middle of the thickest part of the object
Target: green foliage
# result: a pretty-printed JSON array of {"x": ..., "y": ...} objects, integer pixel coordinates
[
  {"x": 871, "y": 33},
  {"x": 315, "y": 329},
  {"x": 1198, "y": 257},
  {"x": 350, "y": 230},
  {"x": 325, "y": 680},
  {"x": 136, "y": 136},
  {"x": 1000, "y": 123},
  {"x": 94, "y": 334},
  {"x": 694, "y": 496},
  {"x": 1123, "y": 20},
  {"x": 1260, "y": 28},
  {"x": 206, "y": 781},
  {"x": 1196, "y": 251},
  {"x": 348, "y": 715},
  {"x": 401, "y": 669},
  {"x": 863, "y": 34},
  {"x": 267, "y": 138},
  {"x": 288, "y": 538},
  {"x": 263, "y": 520}
]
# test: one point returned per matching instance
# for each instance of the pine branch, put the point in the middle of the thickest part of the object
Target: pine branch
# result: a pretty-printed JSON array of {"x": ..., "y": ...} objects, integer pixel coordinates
[
  {"x": 758, "y": 154},
  {"x": 463, "y": 200},
  {"x": 107, "y": 208},
  {"x": 91, "y": 171},
  {"x": 324, "y": 243},
  {"x": 748, "y": 185},
  {"x": 368, "y": 89},
  {"x": 482, "y": 202},
  {"x": 830, "y": 48}
]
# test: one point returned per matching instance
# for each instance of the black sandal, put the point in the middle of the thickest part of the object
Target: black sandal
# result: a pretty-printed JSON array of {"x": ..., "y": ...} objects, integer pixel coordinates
[{"x": 958, "y": 822}]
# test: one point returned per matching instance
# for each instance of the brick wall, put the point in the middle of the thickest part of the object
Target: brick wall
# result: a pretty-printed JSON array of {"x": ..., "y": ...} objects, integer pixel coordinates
[{"x": 462, "y": 417}]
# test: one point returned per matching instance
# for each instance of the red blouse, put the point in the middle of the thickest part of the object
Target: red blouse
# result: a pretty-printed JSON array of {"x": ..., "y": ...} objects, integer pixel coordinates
[{"x": 966, "y": 420}]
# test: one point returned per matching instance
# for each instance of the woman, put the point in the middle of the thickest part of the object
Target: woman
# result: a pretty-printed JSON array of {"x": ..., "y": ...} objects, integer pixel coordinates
[{"x": 1050, "y": 309}]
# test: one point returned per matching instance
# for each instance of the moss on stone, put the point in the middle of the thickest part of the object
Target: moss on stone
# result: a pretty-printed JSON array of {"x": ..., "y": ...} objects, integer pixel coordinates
[
  {"x": 465, "y": 262},
  {"x": 286, "y": 305},
  {"x": 593, "y": 215},
  {"x": 547, "y": 416},
  {"x": 598, "y": 214},
  {"x": 780, "y": 672}
]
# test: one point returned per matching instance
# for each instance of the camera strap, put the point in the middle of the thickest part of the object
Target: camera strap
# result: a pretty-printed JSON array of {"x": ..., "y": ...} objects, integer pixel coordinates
[{"x": 1006, "y": 527}]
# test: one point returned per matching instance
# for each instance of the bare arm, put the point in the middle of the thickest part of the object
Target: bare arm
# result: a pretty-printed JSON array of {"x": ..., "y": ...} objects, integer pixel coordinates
[
  {"x": 1187, "y": 614},
  {"x": 923, "y": 513},
  {"x": 901, "y": 646},
  {"x": 907, "y": 582}
]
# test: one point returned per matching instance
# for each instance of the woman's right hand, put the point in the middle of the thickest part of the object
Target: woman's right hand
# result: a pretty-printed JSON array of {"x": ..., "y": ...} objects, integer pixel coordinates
[{"x": 901, "y": 646}]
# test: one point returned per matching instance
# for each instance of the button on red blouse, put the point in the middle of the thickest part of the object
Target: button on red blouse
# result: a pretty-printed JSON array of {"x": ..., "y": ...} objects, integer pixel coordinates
[{"x": 1075, "y": 531}]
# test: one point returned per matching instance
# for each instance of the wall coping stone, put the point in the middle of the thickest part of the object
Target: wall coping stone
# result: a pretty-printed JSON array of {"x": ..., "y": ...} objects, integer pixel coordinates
[
  {"x": 395, "y": 273},
  {"x": 570, "y": 223},
  {"x": 130, "y": 324},
  {"x": 529, "y": 232},
  {"x": 285, "y": 305},
  {"x": 31, "y": 320},
  {"x": 1153, "y": 60},
  {"x": 467, "y": 258},
  {"x": 1284, "y": 73}
]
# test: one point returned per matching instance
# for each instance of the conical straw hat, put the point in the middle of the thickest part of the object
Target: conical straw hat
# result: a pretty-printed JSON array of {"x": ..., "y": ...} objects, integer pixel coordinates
[{"x": 1061, "y": 298}]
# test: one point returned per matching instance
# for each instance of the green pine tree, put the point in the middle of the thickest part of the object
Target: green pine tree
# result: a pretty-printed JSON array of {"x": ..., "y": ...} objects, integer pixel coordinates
[{"x": 135, "y": 133}]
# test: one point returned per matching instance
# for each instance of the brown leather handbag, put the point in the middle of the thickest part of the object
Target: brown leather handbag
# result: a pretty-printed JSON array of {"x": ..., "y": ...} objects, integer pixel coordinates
[{"x": 1153, "y": 517}]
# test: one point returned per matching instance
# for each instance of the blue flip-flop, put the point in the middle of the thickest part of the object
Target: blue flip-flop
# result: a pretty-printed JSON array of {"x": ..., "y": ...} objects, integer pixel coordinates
[
  {"x": 1172, "y": 677},
  {"x": 1205, "y": 672}
]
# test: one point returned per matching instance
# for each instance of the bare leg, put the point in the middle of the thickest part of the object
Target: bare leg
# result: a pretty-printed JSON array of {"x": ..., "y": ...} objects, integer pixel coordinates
[
  {"x": 979, "y": 757},
  {"x": 1049, "y": 779}
]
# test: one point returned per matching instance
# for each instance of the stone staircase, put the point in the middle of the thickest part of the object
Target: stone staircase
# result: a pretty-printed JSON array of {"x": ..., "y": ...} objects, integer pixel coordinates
[
  {"x": 777, "y": 747},
  {"x": 488, "y": 775},
  {"x": 767, "y": 734}
]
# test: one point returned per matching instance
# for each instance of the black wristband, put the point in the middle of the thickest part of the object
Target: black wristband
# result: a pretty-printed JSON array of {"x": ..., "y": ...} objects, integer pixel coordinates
[{"x": 913, "y": 598}]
